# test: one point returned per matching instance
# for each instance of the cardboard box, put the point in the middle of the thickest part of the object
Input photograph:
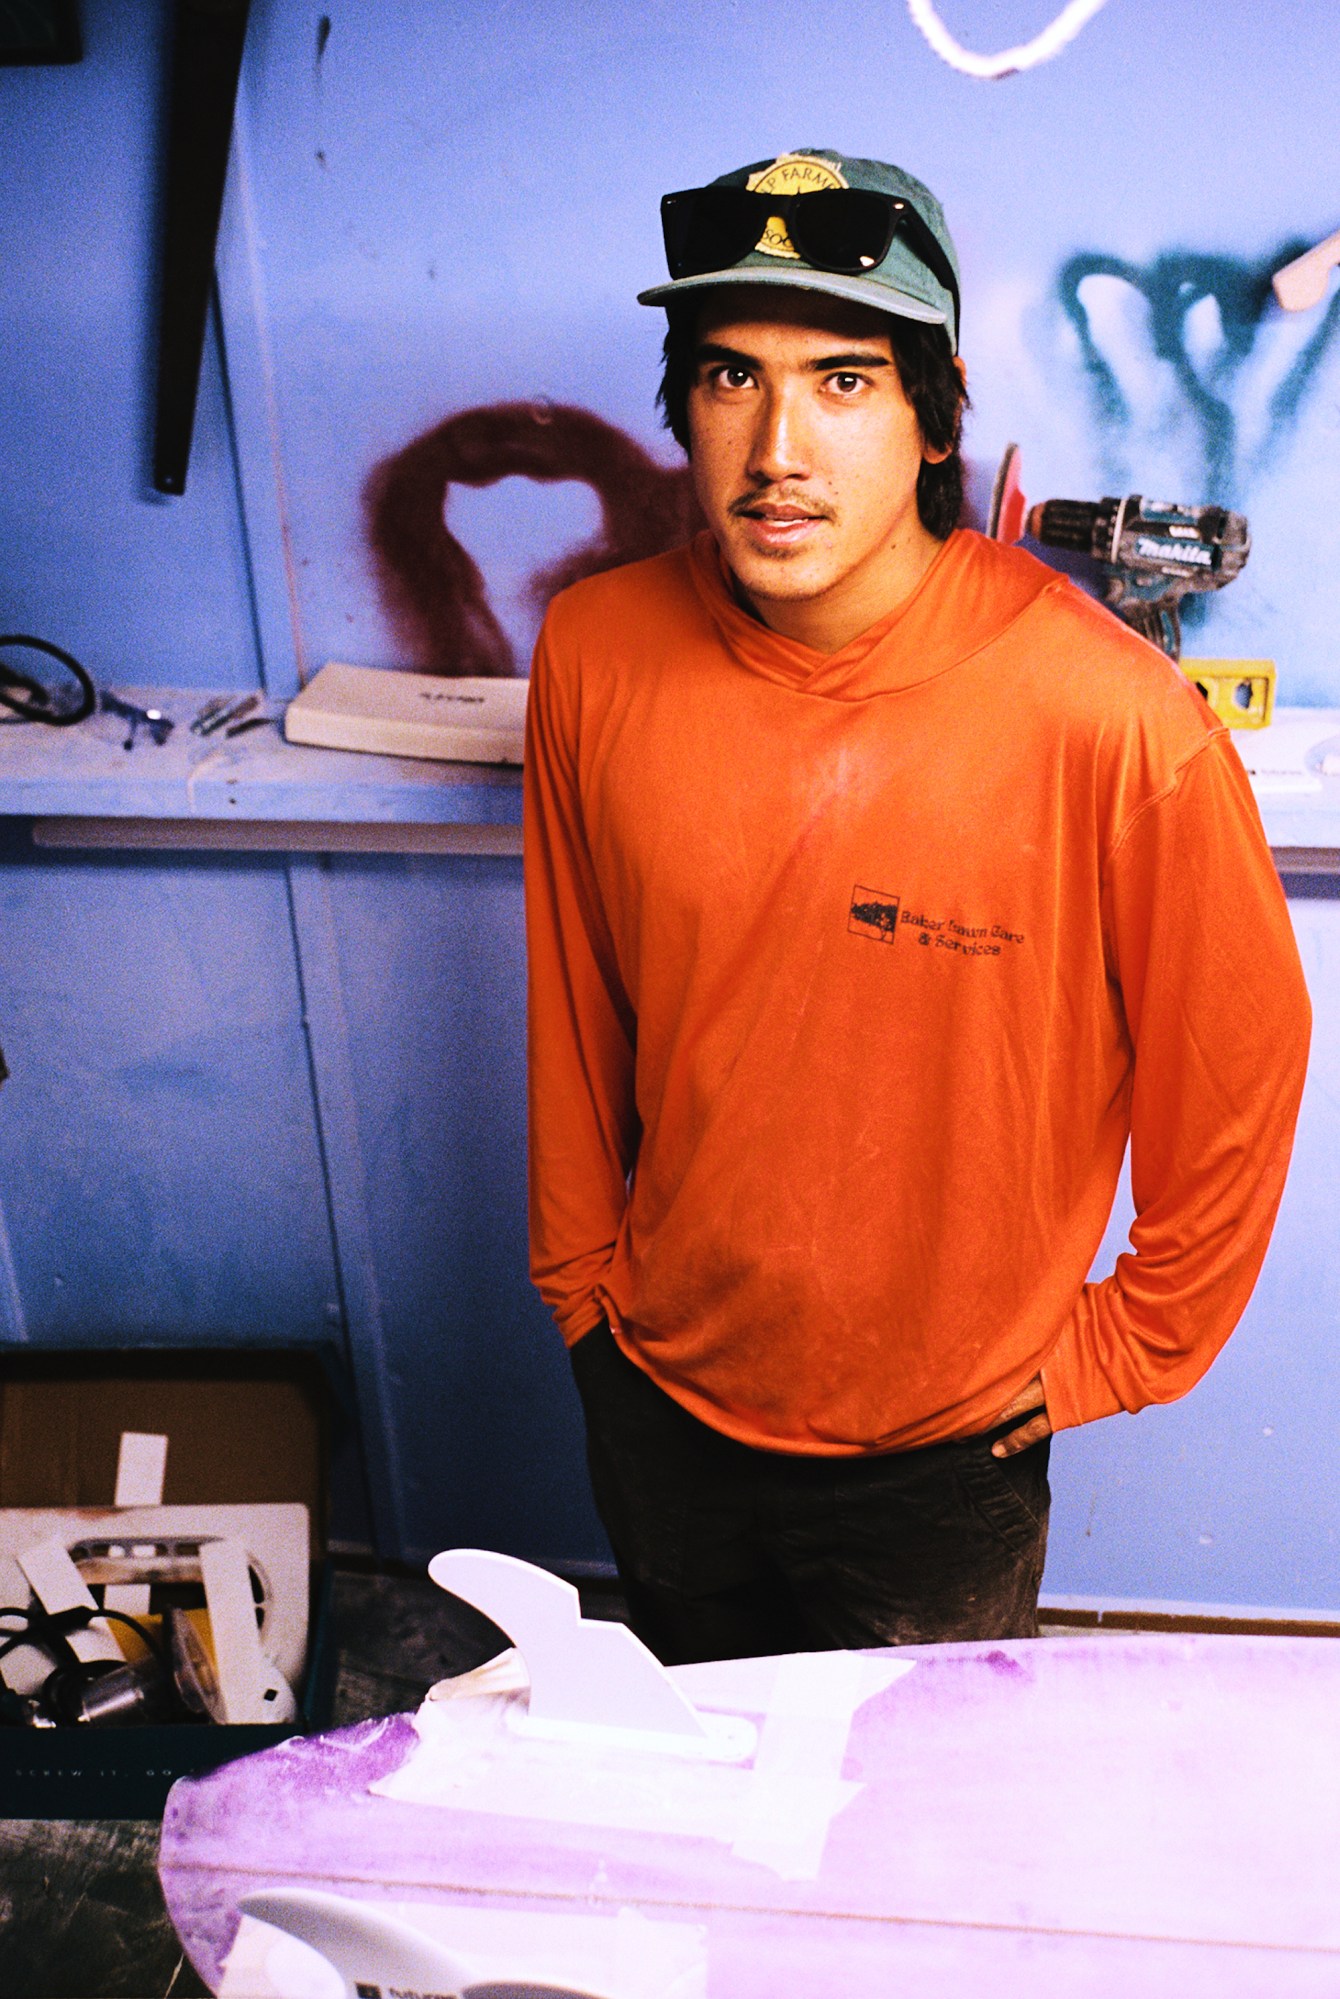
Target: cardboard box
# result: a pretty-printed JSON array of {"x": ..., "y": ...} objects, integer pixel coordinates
[{"x": 243, "y": 1426}]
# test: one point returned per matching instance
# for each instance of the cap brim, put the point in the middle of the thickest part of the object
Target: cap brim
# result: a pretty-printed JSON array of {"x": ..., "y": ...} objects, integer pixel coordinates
[{"x": 860, "y": 291}]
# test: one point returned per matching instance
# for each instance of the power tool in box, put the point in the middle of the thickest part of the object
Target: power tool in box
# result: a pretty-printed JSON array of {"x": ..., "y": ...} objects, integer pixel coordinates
[{"x": 1152, "y": 554}]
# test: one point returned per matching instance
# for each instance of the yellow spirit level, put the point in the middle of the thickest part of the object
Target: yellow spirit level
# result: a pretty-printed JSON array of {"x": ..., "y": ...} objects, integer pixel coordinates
[{"x": 1240, "y": 691}]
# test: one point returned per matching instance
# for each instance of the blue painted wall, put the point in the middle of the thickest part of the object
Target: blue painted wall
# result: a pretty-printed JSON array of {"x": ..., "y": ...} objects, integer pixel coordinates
[
  {"x": 458, "y": 205},
  {"x": 1231, "y": 1495},
  {"x": 140, "y": 588},
  {"x": 255, "y": 1101},
  {"x": 160, "y": 1168},
  {"x": 455, "y": 205}
]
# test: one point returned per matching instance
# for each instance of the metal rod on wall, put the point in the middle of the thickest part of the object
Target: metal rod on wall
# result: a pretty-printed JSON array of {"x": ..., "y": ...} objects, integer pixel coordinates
[
  {"x": 270, "y": 836},
  {"x": 206, "y": 61}
]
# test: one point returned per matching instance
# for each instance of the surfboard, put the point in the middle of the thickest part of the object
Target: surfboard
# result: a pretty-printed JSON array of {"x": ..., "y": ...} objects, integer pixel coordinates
[{"x": 1081, "y": 1817}]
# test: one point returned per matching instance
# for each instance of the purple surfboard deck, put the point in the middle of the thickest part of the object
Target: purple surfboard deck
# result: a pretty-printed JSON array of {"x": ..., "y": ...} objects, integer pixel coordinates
[{"x": 1082, "y": 1817}]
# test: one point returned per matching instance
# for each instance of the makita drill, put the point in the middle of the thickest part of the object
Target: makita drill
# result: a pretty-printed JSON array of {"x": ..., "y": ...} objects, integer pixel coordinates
[{"x": 1152, "y": 553}]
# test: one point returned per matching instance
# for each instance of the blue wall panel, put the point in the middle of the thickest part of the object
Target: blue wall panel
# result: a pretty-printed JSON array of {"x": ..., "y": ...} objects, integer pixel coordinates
[
  {"x": 436, "y": 209},
  {"x": 142, "y": 589},
  {"x": 1232, "y": 1495},
  {"x": 454, "y": 206},
  {"x": 458, "y": 204},
  {"x": 480, "y": 1399},
  {"x": 159, "y": 1165}
]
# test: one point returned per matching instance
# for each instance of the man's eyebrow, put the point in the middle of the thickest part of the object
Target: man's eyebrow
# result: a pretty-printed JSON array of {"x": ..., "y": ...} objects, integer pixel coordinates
[
  {"x": 859, "y": 358},
  {"x": 711, "y": 352}
]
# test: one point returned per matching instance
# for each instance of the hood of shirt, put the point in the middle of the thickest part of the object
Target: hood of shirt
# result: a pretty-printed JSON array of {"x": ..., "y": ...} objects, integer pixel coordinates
[{"x": 973, "y": 591}]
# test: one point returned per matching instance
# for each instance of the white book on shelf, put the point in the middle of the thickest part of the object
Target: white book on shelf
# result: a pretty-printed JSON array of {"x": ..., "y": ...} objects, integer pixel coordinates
[{"x": 410, "y": 714}]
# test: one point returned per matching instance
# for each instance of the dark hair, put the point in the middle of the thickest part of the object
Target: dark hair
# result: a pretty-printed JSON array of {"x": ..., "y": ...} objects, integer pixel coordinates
[{"x": 929, "y": 376}]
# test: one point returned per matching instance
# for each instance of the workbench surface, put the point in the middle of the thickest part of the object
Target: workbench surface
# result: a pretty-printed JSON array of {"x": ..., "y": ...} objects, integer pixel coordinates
[{"x": 85, "y": 772}]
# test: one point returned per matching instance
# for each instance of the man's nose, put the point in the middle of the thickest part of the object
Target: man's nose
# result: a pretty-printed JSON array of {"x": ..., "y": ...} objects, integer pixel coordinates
[{"x": 779, "y": 445}]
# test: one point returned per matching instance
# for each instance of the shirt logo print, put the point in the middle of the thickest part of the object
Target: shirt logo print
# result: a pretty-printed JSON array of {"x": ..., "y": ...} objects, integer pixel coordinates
[{"x": 874, "y": 914}]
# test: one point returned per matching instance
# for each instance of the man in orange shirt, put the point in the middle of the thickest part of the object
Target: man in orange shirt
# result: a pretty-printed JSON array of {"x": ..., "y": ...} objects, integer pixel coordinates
[{"x": 878, "y": 886}]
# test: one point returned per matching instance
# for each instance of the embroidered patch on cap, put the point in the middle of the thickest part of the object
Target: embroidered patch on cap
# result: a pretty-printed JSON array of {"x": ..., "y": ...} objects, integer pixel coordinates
[
  {"x": 874, "y": 913},
  {"x": 790, "y": 173}
]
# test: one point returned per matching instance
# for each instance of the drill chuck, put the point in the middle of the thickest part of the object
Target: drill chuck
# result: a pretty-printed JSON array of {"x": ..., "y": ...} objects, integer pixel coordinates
[{"x": 1086, "y": 526}]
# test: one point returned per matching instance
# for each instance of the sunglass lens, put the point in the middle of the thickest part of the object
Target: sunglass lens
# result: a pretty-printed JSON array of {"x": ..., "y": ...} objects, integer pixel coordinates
[
  {"x": 842, "y": 229},
  {"x": 709, "y": 228}
]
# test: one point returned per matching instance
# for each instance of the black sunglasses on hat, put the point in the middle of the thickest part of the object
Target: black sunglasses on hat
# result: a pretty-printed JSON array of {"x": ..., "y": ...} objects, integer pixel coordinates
[{"x": 842, "y": 229}]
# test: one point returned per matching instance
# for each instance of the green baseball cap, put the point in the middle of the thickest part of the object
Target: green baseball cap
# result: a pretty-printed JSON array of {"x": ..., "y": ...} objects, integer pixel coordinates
[{"x": 916, "y": 278}]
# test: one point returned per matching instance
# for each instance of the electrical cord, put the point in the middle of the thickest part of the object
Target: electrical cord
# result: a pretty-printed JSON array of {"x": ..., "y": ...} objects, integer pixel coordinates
[
  {"x": 61, "y": 1694},
  {"x": 38, "y": 705}
]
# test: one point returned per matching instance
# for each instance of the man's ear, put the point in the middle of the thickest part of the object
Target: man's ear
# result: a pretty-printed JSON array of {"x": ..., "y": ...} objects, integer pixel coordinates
[{"x": 936, "y": 454}]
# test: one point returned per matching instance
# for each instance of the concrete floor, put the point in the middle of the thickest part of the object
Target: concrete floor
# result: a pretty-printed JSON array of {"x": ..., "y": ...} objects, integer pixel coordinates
[{"x": 81, "y": 1913}]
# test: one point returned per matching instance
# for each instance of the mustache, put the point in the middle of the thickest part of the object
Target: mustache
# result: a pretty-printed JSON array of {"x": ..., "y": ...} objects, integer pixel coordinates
[{"x": 804, "y": 503}]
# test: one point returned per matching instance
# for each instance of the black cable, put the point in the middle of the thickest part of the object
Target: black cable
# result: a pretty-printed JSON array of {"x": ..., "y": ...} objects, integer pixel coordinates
[
  {"x": 45, "y": 1631},
  {"x": 39, "y": 707},
  {"x": 48, "y": 1631}
]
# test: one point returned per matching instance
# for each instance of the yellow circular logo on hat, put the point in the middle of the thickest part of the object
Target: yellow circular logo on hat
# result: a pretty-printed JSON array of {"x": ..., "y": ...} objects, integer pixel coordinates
[{"x": 790, "y": 173}]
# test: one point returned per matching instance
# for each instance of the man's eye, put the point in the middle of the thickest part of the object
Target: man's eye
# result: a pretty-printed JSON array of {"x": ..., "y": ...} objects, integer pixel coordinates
[
  {"x": 847, "y": 385},
  {"x": 734, "y": 378}
]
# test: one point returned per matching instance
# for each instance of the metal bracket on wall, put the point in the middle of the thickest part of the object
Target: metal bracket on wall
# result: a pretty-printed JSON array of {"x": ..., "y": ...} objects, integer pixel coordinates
[
  {"x": 1306, "y": 860},
  {"x": 206, "y": 61},
  {"x": 276, "y": 836}
]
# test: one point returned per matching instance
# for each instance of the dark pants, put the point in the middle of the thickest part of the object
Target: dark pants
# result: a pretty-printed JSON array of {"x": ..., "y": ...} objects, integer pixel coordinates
[{"x": 726, "y": 1552}]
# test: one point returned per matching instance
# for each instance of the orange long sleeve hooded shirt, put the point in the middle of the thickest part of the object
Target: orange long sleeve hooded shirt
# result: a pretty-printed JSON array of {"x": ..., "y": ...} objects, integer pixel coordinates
[{"x": 850, "y": 975}]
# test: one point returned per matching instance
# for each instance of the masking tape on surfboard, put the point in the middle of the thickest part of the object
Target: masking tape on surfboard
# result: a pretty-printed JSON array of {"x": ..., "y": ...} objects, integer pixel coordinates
[{"x": 777, "y": 1810}]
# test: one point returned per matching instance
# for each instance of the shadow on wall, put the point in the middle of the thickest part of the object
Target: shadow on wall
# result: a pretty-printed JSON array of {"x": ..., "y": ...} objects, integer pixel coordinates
[
  {"x": 432, "y": 590},
  {"x": 1240, "y": 366}
]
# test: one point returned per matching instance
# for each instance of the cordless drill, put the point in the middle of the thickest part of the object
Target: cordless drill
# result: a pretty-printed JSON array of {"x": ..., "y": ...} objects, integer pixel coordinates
[{"x": 1152, "y": 553}]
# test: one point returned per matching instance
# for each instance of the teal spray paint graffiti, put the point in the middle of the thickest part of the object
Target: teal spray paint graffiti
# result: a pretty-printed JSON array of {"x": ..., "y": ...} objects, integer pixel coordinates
[{"x": 1172, "y": 286}]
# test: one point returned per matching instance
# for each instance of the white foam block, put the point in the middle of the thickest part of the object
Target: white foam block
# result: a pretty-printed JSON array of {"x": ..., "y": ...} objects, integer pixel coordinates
[
  {"x": 58, "y": 1585},
  {"x": 232, "y": 1622},
  {"x": 131, "y": 1599},
  {"x": 140, "y": 1468}
]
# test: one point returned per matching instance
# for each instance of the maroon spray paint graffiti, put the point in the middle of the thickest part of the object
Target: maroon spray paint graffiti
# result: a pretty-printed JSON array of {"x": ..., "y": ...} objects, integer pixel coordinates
[{"x": 431, "y": 588}]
